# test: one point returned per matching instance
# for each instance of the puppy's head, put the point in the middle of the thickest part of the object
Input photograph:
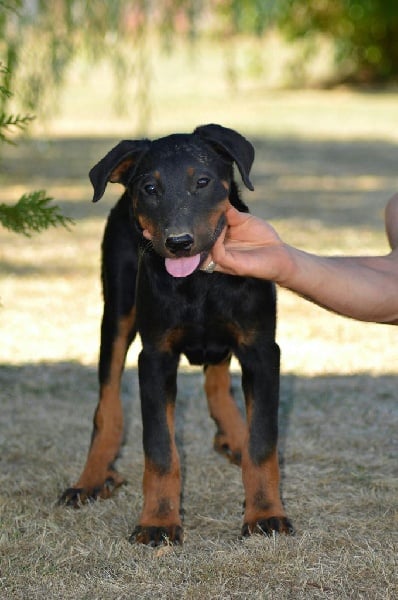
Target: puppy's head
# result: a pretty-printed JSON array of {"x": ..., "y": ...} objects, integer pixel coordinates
[{"x": 179, "y": 187}]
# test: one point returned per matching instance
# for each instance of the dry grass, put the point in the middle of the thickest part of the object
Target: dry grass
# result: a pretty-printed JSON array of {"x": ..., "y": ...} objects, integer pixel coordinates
[
  {"x": 339, "y": 487},
  {"x": 338, "y": 399}
]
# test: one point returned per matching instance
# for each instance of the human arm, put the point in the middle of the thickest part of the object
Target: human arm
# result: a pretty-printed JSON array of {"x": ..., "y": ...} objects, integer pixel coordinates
[{"x": 364, "y": 288}]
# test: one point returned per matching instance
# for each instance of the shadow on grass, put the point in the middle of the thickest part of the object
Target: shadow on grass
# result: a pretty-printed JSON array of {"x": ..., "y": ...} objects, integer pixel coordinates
[{"x": 345, "y": 421}]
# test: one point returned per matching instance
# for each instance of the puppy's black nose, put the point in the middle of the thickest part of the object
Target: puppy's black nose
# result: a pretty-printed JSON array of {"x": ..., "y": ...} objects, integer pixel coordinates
[{"x": 178, "y": 243}]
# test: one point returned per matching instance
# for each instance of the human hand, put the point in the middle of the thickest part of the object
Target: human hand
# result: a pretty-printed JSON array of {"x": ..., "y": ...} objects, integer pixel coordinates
[{"x": 249, "y": 246}]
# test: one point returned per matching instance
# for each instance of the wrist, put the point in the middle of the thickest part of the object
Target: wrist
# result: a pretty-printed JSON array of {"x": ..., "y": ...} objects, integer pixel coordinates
[{"x": 286, "y": 265}]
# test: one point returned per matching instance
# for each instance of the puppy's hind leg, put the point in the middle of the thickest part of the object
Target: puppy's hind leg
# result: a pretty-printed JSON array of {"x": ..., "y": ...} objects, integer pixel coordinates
[{"x": 231, "y": 427}]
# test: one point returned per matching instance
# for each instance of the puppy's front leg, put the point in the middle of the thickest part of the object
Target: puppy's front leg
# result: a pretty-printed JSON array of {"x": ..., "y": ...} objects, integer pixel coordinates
[
  {"x": 160, "y": 521},
  {"x": 264, "y": 512}
]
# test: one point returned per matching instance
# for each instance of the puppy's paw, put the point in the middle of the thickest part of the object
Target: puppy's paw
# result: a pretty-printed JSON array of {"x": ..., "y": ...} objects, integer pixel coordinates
[
  {"x": 223, "y": 446},
  {"x": 268, "y": 527},
  {"x": 157, "y": 536},
  {"x": 77, "y": 496}
]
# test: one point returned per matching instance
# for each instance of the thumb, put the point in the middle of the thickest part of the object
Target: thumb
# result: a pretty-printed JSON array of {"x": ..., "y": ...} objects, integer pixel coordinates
[{"x": 235, "y": 217}]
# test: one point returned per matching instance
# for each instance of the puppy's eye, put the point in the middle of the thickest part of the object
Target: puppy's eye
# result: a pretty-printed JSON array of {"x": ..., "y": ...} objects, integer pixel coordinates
[
  {"x": 150, "y": 189},
  {"x": 202, "y": 182}
]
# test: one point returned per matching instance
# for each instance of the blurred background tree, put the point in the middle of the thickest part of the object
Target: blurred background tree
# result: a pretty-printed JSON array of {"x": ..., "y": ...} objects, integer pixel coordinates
[
  {"x": 364, "y": 34},
  {"x": 39, "y": 40}
]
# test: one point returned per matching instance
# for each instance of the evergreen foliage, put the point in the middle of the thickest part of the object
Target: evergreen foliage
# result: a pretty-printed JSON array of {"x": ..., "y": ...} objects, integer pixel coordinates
[{"x": 32, "y": 213}]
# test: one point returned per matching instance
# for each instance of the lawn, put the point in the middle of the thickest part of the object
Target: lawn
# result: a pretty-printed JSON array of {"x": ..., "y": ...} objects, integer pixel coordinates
[{"x": 325, "y": 165}]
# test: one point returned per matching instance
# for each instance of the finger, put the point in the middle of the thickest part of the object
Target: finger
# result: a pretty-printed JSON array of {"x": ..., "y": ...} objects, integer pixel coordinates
[
  {"x": 221, "y": 238},
  {"x": 218, "y": 244},
  {"x": 218, "y": 251},
  {"x": 235, "y": 217}
]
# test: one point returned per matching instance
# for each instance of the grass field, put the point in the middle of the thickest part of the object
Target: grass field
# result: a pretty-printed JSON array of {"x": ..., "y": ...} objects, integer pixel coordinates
[{"x": 326, "y": 164}]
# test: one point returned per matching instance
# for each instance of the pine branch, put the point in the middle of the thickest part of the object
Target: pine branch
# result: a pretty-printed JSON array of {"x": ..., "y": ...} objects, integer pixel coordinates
[
  {"x": 8, "y": 123},
  {"x": 32, "y": 214}
]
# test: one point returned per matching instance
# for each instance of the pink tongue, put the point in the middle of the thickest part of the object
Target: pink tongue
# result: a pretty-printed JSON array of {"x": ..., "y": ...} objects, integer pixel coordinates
[{"x": 181, "y": 267}]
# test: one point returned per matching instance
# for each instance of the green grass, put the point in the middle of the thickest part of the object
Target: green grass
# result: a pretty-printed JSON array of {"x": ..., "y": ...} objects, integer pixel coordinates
[{"x": 325, "y": 166}]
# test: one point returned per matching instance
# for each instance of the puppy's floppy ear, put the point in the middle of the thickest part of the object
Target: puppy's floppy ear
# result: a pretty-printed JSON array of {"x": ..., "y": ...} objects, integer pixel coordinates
[
  {"x": 233, "y": 144},
  {"x": 117, "y": 165}
]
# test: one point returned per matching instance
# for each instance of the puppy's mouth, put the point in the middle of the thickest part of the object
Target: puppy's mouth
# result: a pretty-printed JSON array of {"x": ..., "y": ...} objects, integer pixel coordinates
[{"x": 186, "y": 265}]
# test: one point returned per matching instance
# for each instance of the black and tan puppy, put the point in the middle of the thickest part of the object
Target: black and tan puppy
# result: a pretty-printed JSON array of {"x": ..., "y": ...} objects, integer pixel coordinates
[{"x": 177, "y": 189}]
